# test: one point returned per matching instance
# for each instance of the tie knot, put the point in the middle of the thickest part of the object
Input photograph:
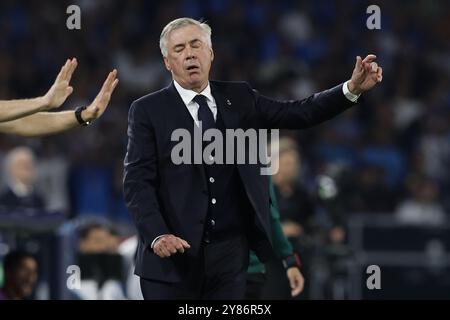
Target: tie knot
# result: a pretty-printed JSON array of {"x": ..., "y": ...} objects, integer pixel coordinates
[{"x": 200, "y": 99}]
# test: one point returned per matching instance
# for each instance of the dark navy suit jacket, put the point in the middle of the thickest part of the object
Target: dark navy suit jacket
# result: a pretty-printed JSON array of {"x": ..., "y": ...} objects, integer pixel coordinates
[{"x": 165, "y": 198}]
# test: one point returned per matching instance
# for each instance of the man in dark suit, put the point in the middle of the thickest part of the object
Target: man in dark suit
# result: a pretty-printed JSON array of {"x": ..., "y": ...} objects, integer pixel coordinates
[{"x": 197, "y": 222}]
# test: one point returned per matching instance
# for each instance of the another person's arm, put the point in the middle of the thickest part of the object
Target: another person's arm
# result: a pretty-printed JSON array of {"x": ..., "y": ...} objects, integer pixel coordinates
[
  {"x": 54, "y": 98},
  {"x": 283, "y": 248},
  {"x": 46, "y": 123}
]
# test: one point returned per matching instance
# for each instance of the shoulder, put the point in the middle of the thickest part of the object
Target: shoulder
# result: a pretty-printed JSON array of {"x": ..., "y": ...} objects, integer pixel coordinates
[
  {"x": 151, "y": 98},
  {"x": 240, "y": 90},
  {"x": 231, "y": 85},
  {"x": 151, "y": 102}
]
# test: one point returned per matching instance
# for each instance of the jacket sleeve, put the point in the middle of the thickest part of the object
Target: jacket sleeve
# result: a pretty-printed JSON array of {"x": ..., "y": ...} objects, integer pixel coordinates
[
  {"x": 300, "y": 114},
  {"x": 141, "y": 176}
]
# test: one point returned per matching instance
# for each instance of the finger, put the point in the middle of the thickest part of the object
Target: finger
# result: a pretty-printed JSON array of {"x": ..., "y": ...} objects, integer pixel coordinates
[
  {"x": 374, "y": 67},
  {"x": 114, "y": 85},
  {"x": 171, "y": 245},
  {"x": 294, "y": 286},
  {"x": 298, "y": 287},
  {"x": 295, "y": 292},
  {"x": 101, "y": 95},
  {"x": 64, "y": 70},
  {"x": 71, "y": 69},
  {"x": 366, "y": 68},
  {"x": 69, "y": 91},
  {"x": 158, "y": 251},
  {"x": 109, "y": 80},
  {"x": 369, "y": 58},
  {"x": 380, "y": 74},
  {"x": 164, "y": 253},
  {"x": 172, "y": 249},
  {"x": 180, "y": 247},
  {"x": 110, "y": 90},
  {"x": 61, "y": 73},
  {"x": 358, "y": 64},
  {"x": 185, "y": 244},
  {"x": 292, "y": 282}
]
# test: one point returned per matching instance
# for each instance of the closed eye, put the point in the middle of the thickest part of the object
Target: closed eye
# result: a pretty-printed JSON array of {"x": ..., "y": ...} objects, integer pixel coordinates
[
  {"x": 179, "y": 48},
  {"x": 196, "y": 43}
]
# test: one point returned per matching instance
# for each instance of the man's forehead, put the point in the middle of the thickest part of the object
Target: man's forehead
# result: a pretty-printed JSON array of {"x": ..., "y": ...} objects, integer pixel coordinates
[{"x": 186, "y": 34}]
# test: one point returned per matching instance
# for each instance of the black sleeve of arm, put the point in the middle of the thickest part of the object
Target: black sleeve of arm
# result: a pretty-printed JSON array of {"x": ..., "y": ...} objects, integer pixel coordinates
[
  {"x": 141, "y": 176},
  {"x": 300, "y": 114}
]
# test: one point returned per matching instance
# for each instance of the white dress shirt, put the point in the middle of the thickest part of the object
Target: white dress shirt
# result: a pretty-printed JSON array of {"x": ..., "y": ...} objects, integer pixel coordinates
[
  {"x": 350, "y": 96},
  {"x": 187, "y": 96}
]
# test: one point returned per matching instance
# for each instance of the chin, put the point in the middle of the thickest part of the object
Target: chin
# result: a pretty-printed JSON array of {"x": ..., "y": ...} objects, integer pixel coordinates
[{"x": 195, "y": 82}]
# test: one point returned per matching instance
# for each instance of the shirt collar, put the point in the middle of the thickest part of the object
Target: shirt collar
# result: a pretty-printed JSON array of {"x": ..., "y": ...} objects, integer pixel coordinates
[{"x": 187, "y": 95}]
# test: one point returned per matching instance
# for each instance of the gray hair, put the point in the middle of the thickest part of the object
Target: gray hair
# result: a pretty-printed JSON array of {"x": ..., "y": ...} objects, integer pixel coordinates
[{"x": 179, "y": 23}]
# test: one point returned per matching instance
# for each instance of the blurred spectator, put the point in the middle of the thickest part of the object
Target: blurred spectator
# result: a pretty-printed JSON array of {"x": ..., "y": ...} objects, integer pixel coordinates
[
  {"x": 52, "y": 178},
  {"x": 435, "y": 145},
  {"x": 296, "y": 205},
  {"x": 21, "y": 274},
  {"x": 132, "y": 283},
  {"x": 20, "y": 193},
  {"x": 95, "y": 238},
  {"x": 421, "y": 207},
  {"x": 372, "y": 194},
  {"x": 101, "y": 264},
  {"x": 297, "y": 210}
]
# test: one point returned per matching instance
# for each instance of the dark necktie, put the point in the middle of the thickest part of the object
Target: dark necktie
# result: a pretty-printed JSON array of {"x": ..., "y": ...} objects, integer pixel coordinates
[{"x": 205, "y": 114}]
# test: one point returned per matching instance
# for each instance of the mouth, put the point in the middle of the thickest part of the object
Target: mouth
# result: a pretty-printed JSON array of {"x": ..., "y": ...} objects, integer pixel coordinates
[{"x": 192, "y": 69}]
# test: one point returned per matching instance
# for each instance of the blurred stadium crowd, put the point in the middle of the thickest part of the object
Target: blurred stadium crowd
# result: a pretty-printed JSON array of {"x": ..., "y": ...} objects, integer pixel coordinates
[{"x": 390, "y": 155}]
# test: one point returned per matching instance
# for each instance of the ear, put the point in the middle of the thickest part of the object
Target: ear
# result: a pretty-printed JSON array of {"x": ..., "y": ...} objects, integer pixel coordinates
[
  {"x": 212, "y": 54},
  {"x": 166, "y": 62}
]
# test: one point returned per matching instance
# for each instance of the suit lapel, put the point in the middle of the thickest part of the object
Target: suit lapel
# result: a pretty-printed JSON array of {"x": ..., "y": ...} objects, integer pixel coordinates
[{"x": 179, "y": 113}]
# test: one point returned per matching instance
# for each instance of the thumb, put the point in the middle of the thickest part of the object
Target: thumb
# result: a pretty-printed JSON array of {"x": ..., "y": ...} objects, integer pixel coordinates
[
  {"x": 185, "y": 244},
  {"x": 358, "y": 64},
  {"x": 69, "y": 91}
]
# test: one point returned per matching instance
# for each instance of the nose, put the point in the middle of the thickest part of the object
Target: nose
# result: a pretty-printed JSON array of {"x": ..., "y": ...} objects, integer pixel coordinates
[{"x": 189, "y": 53}]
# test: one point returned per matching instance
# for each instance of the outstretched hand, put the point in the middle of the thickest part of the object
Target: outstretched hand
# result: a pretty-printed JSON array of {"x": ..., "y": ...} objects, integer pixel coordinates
[
  {"x": 366, "y": 75},
  {"x": 98, "y": 106},
  {"x": 61, "y": 88}
]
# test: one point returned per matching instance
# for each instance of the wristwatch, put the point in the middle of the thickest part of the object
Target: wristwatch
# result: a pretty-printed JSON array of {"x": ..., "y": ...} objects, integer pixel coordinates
[
  {"x": 292, "y": 261},
  {"x": 79, "y": 118}
]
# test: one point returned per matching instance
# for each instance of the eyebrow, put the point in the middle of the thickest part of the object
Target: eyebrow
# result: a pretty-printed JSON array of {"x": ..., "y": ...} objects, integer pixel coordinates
[{"x": 190, "y": 42}]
